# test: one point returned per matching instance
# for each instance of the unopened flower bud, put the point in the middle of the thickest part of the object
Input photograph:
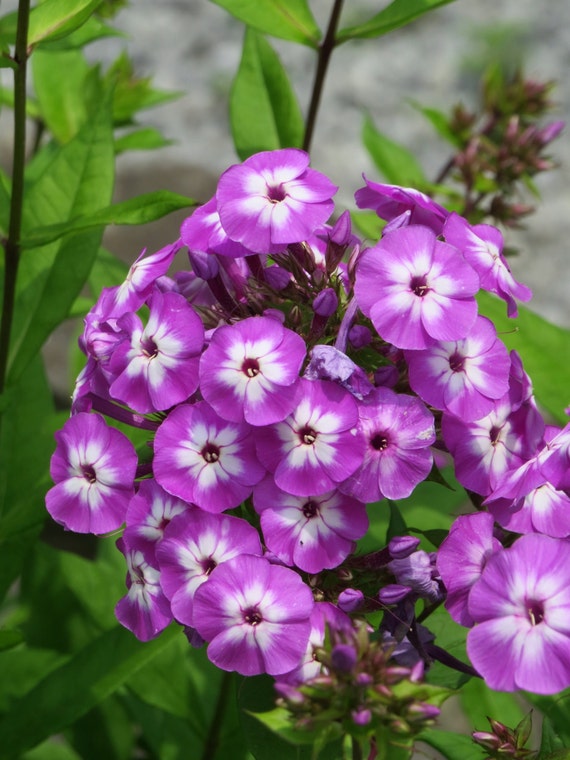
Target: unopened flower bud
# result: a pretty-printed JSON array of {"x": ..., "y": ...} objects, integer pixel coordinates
[
  {"x": 402, "y": 546},
  {"x": 343, "y": 658},
  {"x": 359, "y": 336},
  {"x": 350, "y": 600},
  {"x": 393, "y": 593},
  {"x": 361, "y": 717},
  {"x": 205, "y": 265},
  {"x": 386, "y": 376},
  {"x": 326, "y": 303},
  {"x": 290, "y": 693},
  {"x": 277, "y": 277},
  {"x": 423, "y": 711}
]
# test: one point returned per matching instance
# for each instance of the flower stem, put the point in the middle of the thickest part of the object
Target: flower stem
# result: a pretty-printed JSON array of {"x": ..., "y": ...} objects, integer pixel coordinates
[
  {"x": 12, "y": 243},
  {"x": 325, "y": 51},
  {"x": 217, "y": 722}
]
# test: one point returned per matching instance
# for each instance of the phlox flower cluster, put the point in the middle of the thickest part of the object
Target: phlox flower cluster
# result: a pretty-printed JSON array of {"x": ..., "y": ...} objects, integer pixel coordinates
[{"x": 286, "y": 378}]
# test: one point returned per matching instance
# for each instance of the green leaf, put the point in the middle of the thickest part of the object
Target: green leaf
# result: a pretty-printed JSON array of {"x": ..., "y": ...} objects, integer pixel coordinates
[
  {"x": 264, "y": 113},
  {"x": 368, "y": 223},
  {"x": 75, "y": 179},
  {"x": 439, "y": 121},
  {"x": 451, "y": 637},
  {"x": 132, "y": 94},
  {"x": 146, "y": 138},
  {"x": 556, "y": 709},
  {"x": 64, "y": 109},
  {"x": 397, "y": 14},
  {"x": 93, "y": 29},
  {"x": 452, "y": 746},
  {"x": 9, "y": 638},
  {"x": 397, "y": 525},
  {"x": 540, "y": 345},
  {"x": 269, "y": 731},
  {"x": 397, "y": 164},
  {"x": 26, "y": 442},
  {"x": 54, "y": 19},
  {"x": 140, "y": 210},
  {"x": 478, "y": 702},
  {"x": 22, "y": 668},
  {"x": 550, "y": 742},
  {"x": 52, "y": 749},
  {"x": 84, "y": 681},
  {"x": 288, "y": 19}
]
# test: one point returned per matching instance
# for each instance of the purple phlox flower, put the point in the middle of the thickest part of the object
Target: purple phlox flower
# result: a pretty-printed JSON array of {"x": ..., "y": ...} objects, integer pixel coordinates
[
  {"x": 524, "y": 501},
  {"x": 273, "y": 199},
  {"x": 255, "y": 616},
  {"x": 194, "y": 289},
  {"x": 139, "y": 282},
  {"x": 203, "y": 232},
  {"x": 462, "y": 377},
  {"x": 90, "y": 381},
  {"x": 482, "y": 246},
  {"x": 100, "y": 338},
  {"x": 324, "y": 615},
  {"x": 312, "y": 532},
  {"x": 398, "y": 430},
  {"x": 194, "y": 543},
  {"x": 149, "y": 512},
  {"x": 94, "y": 468},
  {"x": 328, "y": 363},
  {"x": 484, "y": 450},
  {"x": 416, "y": 289},
  {"x": 418, "y": 572},
  {"x": 317, "y": 445},
  {"x": 250, "y": 369},
  {"x": 145, "y": 610},
  {"x": 204, "y": 265},
  {"x": 157, "y": 366},
  {"x": 461, "y": 559},
  {"x": 391, "y": 201},
  {"x": 521, "y": 609},
  {"x": 555, "y": 464},
  {"x": 204, "y": 459}
]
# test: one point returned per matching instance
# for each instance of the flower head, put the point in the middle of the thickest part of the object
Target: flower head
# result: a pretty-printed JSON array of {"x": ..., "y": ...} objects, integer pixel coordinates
[{"x": 273, "y": 199}]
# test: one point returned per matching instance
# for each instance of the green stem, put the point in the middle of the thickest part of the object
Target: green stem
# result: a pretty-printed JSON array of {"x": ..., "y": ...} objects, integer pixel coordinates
[
  {"x": 325, "y": 51},
  {"x": 356, "y": 749},
  {"x": 217, "y": 722},
  {"x": 12, "y": 244}
]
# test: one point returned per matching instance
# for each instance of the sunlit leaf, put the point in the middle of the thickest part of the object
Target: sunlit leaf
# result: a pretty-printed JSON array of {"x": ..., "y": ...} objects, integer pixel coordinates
[
  {"x": 71, "y": 690},
  {"x": 264, "y": 113},
  {"x": 287, "y": 19},
  {"x": 54, "y": 19},
  {"x": 397, "y": 14},
  {"x": 140, "y": 210},
  {"x": 398, "y": 165}
]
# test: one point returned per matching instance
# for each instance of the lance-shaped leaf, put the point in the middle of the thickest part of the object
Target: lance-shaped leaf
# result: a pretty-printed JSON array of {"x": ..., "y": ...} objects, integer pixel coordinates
[
  {"x": 540, "y": 344},
  {"x": 26, "y": 443},
  {"x": 63, "y": 109},
  {"x": 452, "y": 746},
  {"x": 264, "y": 113},
  {"x": 54, "y": 19},
  {"x": 140, "y": 210},
  {"x": 77, "y": 686},
  {"x": 68, "y": 181},
  {"x": 288, "y": 19},
  {"x": 398, "y": 165},
  {"x": 146, "y": 138},
  {"x": 397, "y": 14}
]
